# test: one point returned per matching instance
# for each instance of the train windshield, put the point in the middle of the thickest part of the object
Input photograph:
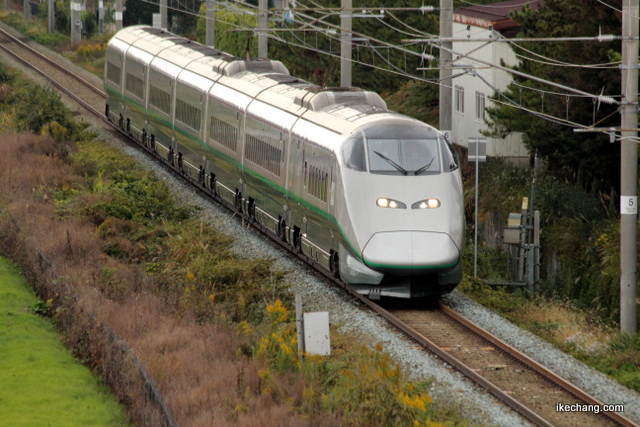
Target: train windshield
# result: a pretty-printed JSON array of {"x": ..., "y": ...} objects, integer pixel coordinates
[
  {"x": 407, "y": 156},
  {"x": 399, "y": 149}
]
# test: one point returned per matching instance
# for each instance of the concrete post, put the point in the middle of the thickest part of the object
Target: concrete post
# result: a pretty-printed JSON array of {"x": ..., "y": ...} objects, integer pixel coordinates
[
  {"x": 345, "y": 43},
  {"x": 263, "y": 40},
  {"x": 164, "y": 19},
  {"x": 446, "y": 95},
  {"x": 76, "y": 21},
  {"x": 629, "y": 169},
  {"x": 210, "y": 39},
  {"x": 118, "y": 15}
]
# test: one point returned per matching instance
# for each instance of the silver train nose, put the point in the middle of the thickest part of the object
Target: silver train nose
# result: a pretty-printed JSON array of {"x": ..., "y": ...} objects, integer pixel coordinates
[{"x": 414, "y": 252}]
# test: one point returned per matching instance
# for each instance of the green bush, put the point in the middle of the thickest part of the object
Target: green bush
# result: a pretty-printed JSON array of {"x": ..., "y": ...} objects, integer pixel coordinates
[{"x": 36, "y": 108}]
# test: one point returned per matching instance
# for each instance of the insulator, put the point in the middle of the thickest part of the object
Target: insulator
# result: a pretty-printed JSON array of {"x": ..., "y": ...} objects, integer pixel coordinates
[
  {"x": 606, "y": 37},
  {"x": 606, "y": 99},
  {"x": 425, "y": 9}
]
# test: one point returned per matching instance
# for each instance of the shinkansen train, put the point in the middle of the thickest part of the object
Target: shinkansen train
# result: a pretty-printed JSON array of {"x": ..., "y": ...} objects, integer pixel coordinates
[{"x": 370, "y": 195}]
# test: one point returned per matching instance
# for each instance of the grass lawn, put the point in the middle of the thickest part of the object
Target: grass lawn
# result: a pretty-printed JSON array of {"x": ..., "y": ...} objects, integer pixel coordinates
[{"x": 41, "y": 384}]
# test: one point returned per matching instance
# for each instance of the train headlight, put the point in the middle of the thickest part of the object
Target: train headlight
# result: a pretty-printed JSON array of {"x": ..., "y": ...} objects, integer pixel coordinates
[
  {"x": 426, "y": 204},
  {"x": 383, "y": 202}
]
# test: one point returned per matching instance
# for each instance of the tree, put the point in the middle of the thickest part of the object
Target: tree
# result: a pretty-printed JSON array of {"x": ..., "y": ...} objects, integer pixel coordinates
[
  {"x": 305, "y": 53},
  {"x": 584, "y": 158}
]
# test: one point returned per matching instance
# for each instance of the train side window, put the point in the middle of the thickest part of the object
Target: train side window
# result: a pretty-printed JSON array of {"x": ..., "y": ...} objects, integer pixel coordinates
[
  {"x": 450, "y": 157},
  {"x": 113, "y": 73},
  {"x": 353, "y": 154}
]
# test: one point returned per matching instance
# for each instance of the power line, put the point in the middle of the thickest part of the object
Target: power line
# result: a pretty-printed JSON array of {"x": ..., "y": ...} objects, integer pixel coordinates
[{"x": 308, "y": 20}]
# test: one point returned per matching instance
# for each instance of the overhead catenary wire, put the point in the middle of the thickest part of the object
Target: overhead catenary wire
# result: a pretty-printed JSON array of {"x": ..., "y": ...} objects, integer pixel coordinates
[{"x": 305, "y": 19}]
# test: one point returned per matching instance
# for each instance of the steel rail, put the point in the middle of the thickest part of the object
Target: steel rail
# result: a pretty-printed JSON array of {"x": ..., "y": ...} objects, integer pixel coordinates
[
  {"x": 552, "y": 376},
  {"x": 51, "y": 62}
]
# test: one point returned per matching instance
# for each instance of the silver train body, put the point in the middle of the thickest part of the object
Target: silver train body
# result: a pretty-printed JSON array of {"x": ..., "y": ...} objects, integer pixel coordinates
[{"x": 372, "y": 196}]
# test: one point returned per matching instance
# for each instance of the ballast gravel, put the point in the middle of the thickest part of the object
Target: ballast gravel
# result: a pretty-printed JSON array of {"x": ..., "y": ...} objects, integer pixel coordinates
[{"x": 320, "y": 295}]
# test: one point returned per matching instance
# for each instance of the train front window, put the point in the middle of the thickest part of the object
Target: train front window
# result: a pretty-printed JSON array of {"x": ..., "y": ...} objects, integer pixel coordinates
[{"x": 405, "y": 156}]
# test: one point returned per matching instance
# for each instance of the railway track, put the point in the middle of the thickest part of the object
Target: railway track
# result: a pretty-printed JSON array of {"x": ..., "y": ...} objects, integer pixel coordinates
[
  {"x": 519, "y": 382},
  {"x": 60, "y": 76}
]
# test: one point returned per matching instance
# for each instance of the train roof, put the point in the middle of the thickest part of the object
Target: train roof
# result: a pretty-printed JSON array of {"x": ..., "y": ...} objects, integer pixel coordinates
[{"x": 342, "y": 110}]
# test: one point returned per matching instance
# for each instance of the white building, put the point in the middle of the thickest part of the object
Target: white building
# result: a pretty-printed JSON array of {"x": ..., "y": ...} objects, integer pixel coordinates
[{"x": 470, "y": 92}]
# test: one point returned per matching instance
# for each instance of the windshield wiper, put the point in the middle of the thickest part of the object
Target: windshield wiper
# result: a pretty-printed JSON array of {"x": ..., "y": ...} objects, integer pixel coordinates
[
  {"x": 392, "y": 163},
  {"x": 425, "y": 167}
]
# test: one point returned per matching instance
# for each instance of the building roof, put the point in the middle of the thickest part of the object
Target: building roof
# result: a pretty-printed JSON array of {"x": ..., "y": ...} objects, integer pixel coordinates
[{"x": 495, "y": 15}]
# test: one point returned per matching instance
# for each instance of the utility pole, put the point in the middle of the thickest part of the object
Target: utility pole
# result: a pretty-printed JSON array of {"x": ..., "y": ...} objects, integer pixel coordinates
[
  {"x": 446, "y": 32},
  {"x": 211, "y": 24},
  {"x": 164, "y": 20},
  {"x": 51, "y": 17},
  {"x": 345, "y": 43},
  {"x": 26, "y": 9},
  {"x": 100, "y": 16},
  {"x": 76, "y": 22},
  {"x": 118, "y": 15},
  {"x": 629, "y": 169},
  {"x": 263, "y": 40}
]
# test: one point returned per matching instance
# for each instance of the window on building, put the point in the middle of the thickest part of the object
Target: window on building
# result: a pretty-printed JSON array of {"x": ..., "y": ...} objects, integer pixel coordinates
[
  {"x": 480, "y": 105},
  {"x": 459, "y": 99}
]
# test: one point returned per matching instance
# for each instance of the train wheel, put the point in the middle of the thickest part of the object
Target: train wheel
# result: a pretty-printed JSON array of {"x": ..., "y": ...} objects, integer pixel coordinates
[
  {"x": 334, "y": 264},
  {"x": 212, "y": 183},
  {"x": 297, "y": 239},
  {"x": 282, "y": 230},
  {"x": 238, "y": 201},
  {"x": 251, "y": 208}
]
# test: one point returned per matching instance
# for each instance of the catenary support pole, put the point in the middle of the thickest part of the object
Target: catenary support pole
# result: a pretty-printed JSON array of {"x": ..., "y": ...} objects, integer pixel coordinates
[
  {"x": 164, "y": 18},
  {"x": 76, "y": 22},
  {"x": 446, "y": 31},
  {"x": 51, "y": 17},
  {"x": 346, "y": 37},
  {"x": 118, "y": 15},
  {"x": 629, "y": 169},
  {"x": 210, "y": 25},
  {"x": 263, "y": 40}
]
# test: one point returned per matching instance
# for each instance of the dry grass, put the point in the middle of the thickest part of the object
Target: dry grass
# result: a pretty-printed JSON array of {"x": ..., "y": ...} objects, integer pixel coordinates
[
  {"x": 564, "y": 325},
  {"x": 191, "y": 330},
  {"x": 197, "y": 367}
]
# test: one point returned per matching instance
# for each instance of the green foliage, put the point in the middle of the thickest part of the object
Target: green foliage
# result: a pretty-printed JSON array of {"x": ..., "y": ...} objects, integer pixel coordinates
[
  {"x": 63, "y": 17},
  {"x": 36, "y": 108},
  {"x": 416, "y": 99},
  {"x": 50, "y": 39},
  {"x": 314, "y": 56},
  {"x": 228, "y": 38},
  {"x": 620, "y": 359},
  {"x": 5, "y": 74},
  {"x": 191, "y": 264},
  {"x": 587, "y": 159},
  {"x": 362, "y": 386},
  {"x": 40, "y": 382},
  {"x": 35, "y": 28}
]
